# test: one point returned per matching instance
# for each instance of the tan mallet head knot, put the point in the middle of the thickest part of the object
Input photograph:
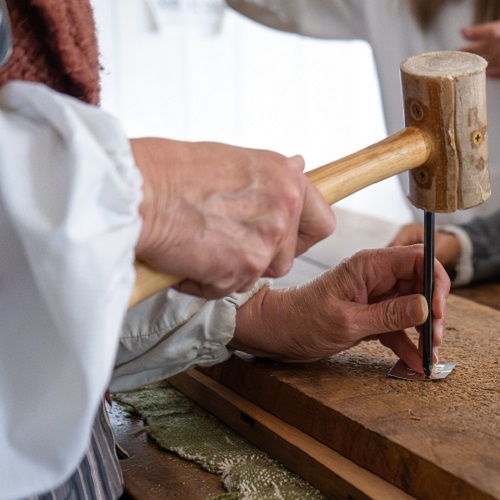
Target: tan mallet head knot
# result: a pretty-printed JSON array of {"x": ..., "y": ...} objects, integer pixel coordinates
[{"x": 445, "y": 96}]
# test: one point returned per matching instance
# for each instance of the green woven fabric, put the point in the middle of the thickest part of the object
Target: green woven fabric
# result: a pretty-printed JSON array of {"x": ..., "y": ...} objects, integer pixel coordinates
[{"x": 177, "y": 424}]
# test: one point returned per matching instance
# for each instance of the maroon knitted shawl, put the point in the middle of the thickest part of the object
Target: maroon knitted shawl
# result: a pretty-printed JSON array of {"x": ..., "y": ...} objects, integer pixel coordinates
[{"x": 54, "y": 43}]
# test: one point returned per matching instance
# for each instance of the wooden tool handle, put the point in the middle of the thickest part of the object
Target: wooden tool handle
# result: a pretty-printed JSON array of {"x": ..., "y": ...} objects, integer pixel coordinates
[{"x": 398, "y": 153}]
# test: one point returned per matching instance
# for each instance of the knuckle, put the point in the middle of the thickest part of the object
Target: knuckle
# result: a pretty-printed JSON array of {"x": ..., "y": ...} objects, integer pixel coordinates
[
  {"x": 278, "y": 228},
  {"x": 344, "y": 320},
  {"x": 391, "y": 318},
  {"x": 254, "y": 265},
  {"x": 291, "y": 199},
  {"x": 329, "y": 226},
  {"x": 276, "y": 270}
]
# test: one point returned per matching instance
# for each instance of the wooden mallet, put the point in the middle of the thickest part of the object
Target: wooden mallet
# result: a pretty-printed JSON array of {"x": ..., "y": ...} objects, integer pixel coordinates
[{"x": 444, "y": 144}]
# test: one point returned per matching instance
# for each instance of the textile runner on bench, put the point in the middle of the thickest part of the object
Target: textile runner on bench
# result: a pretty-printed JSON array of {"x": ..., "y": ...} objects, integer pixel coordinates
[{"x": 179, "y": 425}]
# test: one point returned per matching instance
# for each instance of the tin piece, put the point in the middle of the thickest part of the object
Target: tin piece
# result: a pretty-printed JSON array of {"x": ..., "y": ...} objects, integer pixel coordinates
[{"x": 440, "y": 371}]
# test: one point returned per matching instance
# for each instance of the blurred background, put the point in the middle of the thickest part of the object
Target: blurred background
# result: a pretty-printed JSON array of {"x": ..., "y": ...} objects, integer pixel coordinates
[{"x": 196, "y": 70}]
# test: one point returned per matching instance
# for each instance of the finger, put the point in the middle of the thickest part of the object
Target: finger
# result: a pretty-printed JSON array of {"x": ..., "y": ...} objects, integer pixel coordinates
[
  {"x": 435, "y": 355},
  {"x": 441, "y": 281},
  {"x": 437, "y": 338},
  {"x": 441, "y": 291},
  {"x": 298, "y": 162},
  {"x": 408, "y": 235},
  {"x": 386, "y": 270},
  {"x": 489, "y": 31},
  {"x": 404, "y": 348},
  {"x": 317, "y": 220},
  {"x": 479, "y": 48},
  {"x": 437, "y": 333},
  {"x": 284, "y": 257},
  {"x": 390, "y": 315},
  {"x": 288, "y": 223},
  {"x": 196, "y": 289}
]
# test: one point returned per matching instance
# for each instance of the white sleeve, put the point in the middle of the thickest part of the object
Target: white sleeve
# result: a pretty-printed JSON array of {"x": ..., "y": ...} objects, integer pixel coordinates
[
  {"x": 69, "y": 222},
  {"x": 172, "y": 332},
  {"x": 329, "y": 19},
  {"x": 464, "y": 268}
]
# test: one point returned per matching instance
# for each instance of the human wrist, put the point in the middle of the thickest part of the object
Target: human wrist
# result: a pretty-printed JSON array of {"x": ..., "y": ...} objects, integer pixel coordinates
[
  {"x": 256, "y": 323},
  {"x": 138, "y": 151},
  {"x": 150, "y": 159}
]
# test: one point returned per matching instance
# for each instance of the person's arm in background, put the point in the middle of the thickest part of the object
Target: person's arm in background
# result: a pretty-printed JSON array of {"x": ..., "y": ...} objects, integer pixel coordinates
[
  {"x": 469, "y": 252},
  {"x": 330, "y": 19},
  {"x": 484, "y": 237}
]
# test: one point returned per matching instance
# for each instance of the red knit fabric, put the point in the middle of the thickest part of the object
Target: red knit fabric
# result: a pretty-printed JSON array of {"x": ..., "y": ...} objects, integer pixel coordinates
[{"x": 54, "y": 43}]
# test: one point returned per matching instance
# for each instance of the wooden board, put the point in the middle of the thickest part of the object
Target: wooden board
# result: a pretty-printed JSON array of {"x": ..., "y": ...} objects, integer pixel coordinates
[
  {"x": 432, "y": 439},
  {"x": 327, "y": 470},
  {"x": 483, "y": 293}
]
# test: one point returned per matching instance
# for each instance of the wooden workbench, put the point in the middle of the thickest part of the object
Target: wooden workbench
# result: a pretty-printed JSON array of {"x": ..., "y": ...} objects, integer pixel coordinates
[
  {"x": 431, "y": 439},
  {"x": 442, "y": 421}
]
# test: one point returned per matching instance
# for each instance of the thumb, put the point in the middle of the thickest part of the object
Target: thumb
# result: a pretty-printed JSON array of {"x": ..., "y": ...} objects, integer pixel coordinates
[{"x": 392, "y": 315}]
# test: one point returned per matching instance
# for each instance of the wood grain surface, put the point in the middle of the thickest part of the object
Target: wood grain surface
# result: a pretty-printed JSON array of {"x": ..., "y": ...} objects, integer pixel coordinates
[
  {"x": 482, "y": 293},
  {"x": 331, "y": 473},
  {"x": 432, "y": 439}
]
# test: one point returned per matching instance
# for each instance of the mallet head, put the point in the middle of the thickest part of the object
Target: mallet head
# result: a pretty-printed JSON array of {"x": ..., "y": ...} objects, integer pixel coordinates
[{"x": 445, "y": 96}]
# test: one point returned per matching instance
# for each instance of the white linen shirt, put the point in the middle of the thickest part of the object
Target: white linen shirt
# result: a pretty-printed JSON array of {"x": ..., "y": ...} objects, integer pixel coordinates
[
  {"x": 172, "y": 332},
  {"x": 69, "y": 222}
]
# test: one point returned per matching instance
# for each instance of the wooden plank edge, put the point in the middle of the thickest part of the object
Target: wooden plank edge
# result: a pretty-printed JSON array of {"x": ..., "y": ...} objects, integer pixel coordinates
[{"x": 331, "y": 473}]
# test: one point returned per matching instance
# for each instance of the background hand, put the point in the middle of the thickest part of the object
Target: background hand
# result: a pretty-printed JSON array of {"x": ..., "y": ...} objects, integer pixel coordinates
[
  {"x": 446, "y": 245},
  {"x": 374, "y": 294},
  {"x": 222, "y": 216},
  {"x": 485, "y": 42}
]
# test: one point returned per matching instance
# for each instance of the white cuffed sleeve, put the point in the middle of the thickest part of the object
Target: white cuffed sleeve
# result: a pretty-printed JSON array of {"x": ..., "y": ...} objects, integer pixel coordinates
[
  {"x": 172, "y": 332},
  {"x": 69, "y": 222},
  {"x": 464, "y": 268}
]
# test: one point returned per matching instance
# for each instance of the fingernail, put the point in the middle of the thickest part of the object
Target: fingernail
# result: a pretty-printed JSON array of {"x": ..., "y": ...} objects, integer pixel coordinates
[
  {"x": 438, "y": 331},
  {"x": 435, "y": 355},
  {"x": 417, "y": 310}
]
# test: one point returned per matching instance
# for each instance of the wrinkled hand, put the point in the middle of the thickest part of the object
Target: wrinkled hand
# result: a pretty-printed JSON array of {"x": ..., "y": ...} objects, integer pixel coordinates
[
  {"x": 485, "y": 41},
  {"x": 375, "y": 294},
  {"x": 222, "y": 216},
  {"x": 446, "y": 245}
]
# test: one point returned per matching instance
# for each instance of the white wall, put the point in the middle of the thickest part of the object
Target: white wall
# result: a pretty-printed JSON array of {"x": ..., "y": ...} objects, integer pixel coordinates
[{"x": 245, "y": 85}]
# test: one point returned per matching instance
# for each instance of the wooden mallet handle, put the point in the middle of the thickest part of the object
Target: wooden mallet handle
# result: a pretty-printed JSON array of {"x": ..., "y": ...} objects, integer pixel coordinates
[{"x": 403, "y": 151}]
